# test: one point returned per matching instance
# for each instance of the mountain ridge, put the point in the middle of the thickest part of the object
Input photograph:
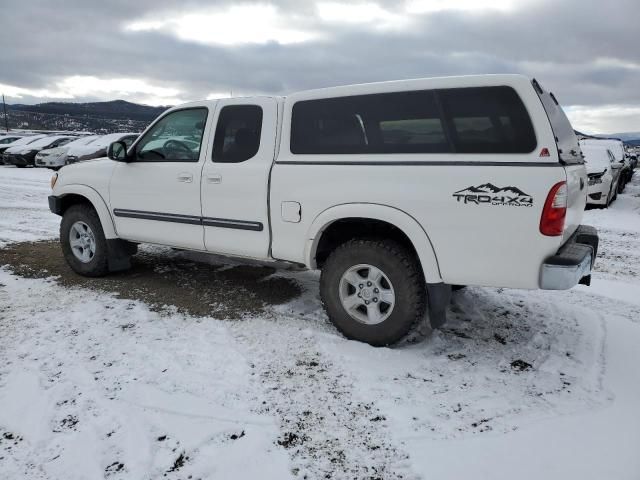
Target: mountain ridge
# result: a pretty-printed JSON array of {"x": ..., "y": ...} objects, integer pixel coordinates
[{"x": 114, "y": 109}]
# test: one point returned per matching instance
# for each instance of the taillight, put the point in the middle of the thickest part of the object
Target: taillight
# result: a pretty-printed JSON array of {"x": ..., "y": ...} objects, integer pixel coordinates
[{"x": 554, "y": 211}]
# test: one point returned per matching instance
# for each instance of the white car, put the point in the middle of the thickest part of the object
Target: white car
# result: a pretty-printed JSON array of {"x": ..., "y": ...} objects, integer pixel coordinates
[
  {"x": 396, "y": 191},
  {"x": 98, "y": 147},
  {"x": 55, "y": 158},
  {"x": 603, "y": 172},
  {"x": 617, "y": 148}
]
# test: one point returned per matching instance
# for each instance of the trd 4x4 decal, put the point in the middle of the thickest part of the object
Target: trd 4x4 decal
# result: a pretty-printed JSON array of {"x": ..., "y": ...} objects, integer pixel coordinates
[{"x": 489, "y": 193}]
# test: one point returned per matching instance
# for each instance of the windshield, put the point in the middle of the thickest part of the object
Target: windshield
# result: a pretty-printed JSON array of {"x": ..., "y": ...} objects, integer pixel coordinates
[
  {"x": 25, "y": 140},
  {"x": 106, "y": 140},
  {"x": 46, "y": 141},
  {"x": 81, "y": 141},
  {"x": 596, "y": 157}
]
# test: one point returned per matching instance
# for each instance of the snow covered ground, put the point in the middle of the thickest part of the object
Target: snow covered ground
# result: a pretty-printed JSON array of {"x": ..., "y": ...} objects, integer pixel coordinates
[{"x": 524, "y": 385}]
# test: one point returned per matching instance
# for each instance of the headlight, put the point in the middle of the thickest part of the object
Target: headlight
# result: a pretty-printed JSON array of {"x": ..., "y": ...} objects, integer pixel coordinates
[
  {"x": 54, "y": 179},
  {"x": 595, "y": 181},
  {"x": 596, "y": 178}
]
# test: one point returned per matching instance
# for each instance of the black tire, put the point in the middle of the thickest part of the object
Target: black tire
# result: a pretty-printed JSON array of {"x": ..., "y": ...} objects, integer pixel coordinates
[
  {"x": 404, "y": 273},
  {"x": 98, "y": 266},
  {"x": 20, "y": 166}
]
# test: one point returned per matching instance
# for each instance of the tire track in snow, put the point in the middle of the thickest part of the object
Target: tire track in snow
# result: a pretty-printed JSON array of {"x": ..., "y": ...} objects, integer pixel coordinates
[{"x": 327, "y": 429}]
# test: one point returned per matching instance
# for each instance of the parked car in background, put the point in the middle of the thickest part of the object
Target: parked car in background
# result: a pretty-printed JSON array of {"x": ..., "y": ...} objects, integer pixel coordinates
[
  {"x": 617, "y": 148},
  {"x": 55, "y": 158},
  {"x": 23, "y": 156},
  {"x": 632, "y": 157},
  {"x": 98, "y": 148},
  {"x": 21, "y": 142},
  {"x": 603, "y": 172},
  {"x": 9, "y": 138}
]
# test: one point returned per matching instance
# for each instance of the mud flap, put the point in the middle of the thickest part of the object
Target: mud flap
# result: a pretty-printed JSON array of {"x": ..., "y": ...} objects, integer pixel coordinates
[
  {"x": 120, "y": 252},
  {"x": 438, "y": 298}
]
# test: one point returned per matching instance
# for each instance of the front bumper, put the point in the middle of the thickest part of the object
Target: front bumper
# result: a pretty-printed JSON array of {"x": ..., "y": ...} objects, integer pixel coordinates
[
  {"x": 55, "y": 204},
  {"x": 573, "y": 262},
  {"x": 17, "y": 160},
  {"x": 49, "y": 162}
]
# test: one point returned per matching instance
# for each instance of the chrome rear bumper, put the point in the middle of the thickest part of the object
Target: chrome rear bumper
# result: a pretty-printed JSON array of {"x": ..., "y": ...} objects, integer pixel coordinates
[{"x": 573, "y": 262}]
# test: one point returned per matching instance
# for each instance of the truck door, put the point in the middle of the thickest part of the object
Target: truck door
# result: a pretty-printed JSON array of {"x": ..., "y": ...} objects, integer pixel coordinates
[
  {"x": 155, "y": 197},
  {"x": 235, "y": 178}
]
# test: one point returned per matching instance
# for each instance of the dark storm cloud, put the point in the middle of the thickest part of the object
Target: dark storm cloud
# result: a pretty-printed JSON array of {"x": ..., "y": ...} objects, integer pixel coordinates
[{"x": 584, "y": 50}]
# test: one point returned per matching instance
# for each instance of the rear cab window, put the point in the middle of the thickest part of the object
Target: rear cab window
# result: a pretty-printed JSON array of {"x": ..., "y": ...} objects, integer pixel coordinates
[
  {"x": 487, "y": 120},
  {"x": 402, "y": 122},
  {"x": 482, "y": 120},
  {"x": 566, "y": 140}
]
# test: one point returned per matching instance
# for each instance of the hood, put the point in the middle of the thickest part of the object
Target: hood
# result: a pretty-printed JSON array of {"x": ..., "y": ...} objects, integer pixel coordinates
[
  {"x": 81, "y": 150},
  {"x": 82, "y": 169},
  {"x": 596, "y": 168},
  {"x": 19, "y": 149},
  {"x": 53, "y": 151},
  {"x": 96, "y": 173}
]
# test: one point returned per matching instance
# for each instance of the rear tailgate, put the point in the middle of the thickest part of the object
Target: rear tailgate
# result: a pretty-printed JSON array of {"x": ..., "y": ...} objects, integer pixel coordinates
[{"x": 570, "y": 156}]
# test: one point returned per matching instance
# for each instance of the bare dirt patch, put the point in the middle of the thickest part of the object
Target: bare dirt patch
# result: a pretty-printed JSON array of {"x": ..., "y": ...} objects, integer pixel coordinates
[{"x": 164, "y": 277}]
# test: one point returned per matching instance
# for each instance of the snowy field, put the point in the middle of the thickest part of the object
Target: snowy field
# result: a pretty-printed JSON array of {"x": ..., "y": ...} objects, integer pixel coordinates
[{"x": 519, "y": 385}]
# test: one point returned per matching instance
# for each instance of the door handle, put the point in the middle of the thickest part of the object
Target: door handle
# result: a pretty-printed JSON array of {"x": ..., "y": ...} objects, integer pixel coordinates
[
  {"x": 185, "y": 177},
  {"x": 214, "y": 178}
]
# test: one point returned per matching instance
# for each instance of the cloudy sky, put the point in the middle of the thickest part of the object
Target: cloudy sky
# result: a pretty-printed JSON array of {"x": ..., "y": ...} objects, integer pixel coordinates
[{"x": 163, "y": 52}]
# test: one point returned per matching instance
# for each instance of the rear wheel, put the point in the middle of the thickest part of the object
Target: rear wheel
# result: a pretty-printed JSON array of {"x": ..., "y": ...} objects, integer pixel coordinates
[
  {"x": 373, "y": 290},
  {"x": 83, "y": 242}
]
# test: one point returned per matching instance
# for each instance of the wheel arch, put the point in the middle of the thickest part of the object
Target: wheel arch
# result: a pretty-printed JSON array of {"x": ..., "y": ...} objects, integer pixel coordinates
[
  {"x": 402, "y": 224},
  {"x": 77, "y": 194}
]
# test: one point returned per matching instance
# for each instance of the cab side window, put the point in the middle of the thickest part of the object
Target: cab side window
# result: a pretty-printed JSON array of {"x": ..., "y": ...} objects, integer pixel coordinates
[
  {"x": 177, "y": 137},
  {"x": 237, "y": 136}
]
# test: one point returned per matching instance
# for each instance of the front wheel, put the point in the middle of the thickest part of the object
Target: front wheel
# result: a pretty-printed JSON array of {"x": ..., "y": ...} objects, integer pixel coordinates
[
  {"x": 83, "y": 243},
  {"x": 373, "y": 291}
]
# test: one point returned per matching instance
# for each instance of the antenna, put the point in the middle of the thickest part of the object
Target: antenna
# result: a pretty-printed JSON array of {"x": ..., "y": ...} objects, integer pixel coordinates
[{"x": 6, "y": 121}]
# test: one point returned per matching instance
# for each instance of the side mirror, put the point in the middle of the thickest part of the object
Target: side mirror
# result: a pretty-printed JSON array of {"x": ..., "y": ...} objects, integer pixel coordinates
[{"x": 117, "y": 151}]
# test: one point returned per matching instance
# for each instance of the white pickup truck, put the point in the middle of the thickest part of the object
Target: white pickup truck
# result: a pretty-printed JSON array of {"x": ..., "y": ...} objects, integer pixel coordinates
[{"x": 396, "y": 191}]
